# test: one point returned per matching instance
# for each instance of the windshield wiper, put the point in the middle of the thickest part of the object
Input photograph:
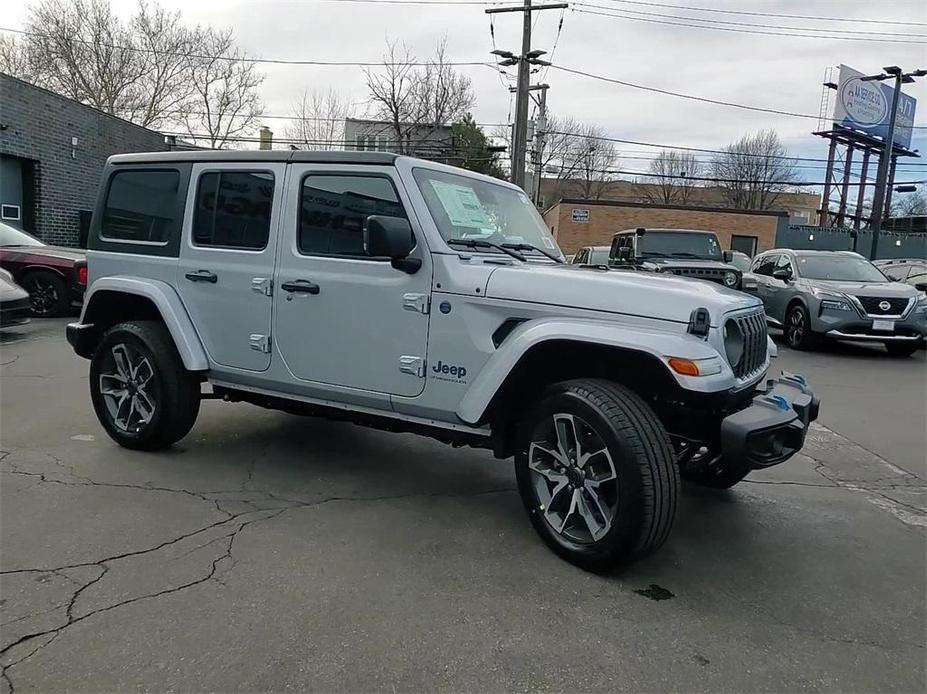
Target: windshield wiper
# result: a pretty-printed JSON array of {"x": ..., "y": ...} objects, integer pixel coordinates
[
  {"x": 480, "y": 243},
  {"x": 530, "y": 247}
]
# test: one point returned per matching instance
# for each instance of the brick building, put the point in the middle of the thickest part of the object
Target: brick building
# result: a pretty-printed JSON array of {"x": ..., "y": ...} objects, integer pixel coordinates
[
  {"x": 578, "y": 223},
  {"x": 52, "y": 151},
  {"x": 802, "y": 207}
]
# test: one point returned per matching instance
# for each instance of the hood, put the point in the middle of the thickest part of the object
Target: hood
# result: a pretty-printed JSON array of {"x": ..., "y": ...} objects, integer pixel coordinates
[
  {"x": 671, "y": 263},
  {"x": 58, "y": 252},
  {"x": 880, "y": 289},
  {"x": 647, "y": 294}
]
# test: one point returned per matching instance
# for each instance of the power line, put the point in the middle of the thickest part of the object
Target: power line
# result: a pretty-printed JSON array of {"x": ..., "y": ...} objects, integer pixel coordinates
[
  {"x": 264, "y": 61},
  {"x": 790, "y": 34},
  {"x": 749, "y": 24},
  {"x": 766, "y": 14}
]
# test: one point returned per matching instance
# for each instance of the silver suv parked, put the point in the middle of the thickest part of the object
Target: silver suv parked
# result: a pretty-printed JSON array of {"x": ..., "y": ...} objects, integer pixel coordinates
[
  {"x": 416, "y": 297},
  {"x": 840, "y": 295}
]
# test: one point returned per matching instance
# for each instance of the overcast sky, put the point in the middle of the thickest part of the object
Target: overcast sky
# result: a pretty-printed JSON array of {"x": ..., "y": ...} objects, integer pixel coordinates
[{"x": 781, "y": 72}]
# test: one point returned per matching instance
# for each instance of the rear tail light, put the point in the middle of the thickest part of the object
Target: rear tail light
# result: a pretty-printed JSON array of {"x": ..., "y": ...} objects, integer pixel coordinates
[{"x": 82, "y": 275}]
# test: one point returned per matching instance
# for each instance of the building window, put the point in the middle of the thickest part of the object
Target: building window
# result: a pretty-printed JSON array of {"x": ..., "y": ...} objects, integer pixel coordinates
[
  {"x": 744, "y": 243},
  {"x": 11, "y": 212},
  {"x": 141, "y": 206},
  {"x": 233, "y": 209},
  {"x": 334, "y": 208}
]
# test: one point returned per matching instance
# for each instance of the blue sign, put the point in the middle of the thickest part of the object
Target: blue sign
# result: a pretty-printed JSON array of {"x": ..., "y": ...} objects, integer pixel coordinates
[{"x": 865, "y": 106}]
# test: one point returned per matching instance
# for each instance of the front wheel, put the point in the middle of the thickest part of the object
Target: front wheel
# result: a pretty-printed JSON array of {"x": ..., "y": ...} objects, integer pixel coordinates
[
  {"x": 798, "y": 328},
  {"x": 901, "y": 349},
  {"x": 141, "y": 392},
  {"x": 48, "y": 293},
  {"x": 596, "y": 474}
]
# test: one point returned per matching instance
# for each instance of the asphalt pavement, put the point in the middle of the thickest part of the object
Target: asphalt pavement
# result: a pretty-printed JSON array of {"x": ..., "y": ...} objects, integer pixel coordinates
[{"x": 273, "y": 552}]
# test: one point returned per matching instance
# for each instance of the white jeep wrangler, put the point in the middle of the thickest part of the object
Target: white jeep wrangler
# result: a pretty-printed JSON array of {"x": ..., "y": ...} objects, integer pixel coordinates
[{"x": 411, "y": 296}]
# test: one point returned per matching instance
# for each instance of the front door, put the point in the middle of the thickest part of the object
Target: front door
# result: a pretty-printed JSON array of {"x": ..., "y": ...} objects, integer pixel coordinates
[
  {"x": 341, "y": 317},
  {"x": 225, "y": 274}
]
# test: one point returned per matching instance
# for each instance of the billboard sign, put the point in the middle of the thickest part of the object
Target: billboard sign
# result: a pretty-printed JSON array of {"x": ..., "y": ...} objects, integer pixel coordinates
[{"x": 865, "y": 106}]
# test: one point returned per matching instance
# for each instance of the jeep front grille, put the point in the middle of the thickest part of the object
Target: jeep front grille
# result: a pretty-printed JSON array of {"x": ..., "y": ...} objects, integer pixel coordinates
[
  {"x": 873, "y": 305},
  {"x": 745, "y": 342},
  {"x": 700, "y": 273}
]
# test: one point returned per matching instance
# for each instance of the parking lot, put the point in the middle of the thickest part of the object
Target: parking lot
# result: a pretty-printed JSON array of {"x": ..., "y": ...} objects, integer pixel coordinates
[{"x": 272, "y": 552}]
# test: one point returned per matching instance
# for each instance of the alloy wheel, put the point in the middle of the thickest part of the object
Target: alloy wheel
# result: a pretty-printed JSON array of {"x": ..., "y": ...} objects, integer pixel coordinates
[
  {"x": 796, "y": 327},
  {"x": 126, "y": 386},
  {"x": 574, "y": 478},
  {"x": 43, "y": 294}
]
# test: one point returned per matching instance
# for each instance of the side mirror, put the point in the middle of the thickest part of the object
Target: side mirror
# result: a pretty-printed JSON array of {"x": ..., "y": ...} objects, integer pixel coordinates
[
  {"x": 921, "y": 286},
  {"x": 727, "y": 256},
  {"x": 782, "y": 274},
  {"x": 624, "y": 253},
  {"x": 391, "y": 237}
]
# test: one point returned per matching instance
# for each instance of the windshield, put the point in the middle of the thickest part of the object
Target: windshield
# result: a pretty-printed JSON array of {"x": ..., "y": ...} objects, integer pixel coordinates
[
  {"x": 468, "y": 208},
  {"x": 11, "y": 236},
  {"x": 679, "y": 244},
  {"x": 841, "y": 268}
]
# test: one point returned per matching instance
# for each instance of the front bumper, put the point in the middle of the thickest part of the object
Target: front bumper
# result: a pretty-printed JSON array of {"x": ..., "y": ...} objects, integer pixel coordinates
[
  {"x": 773, "y": 427},
  {"x": 844, "y": 325},
  {"x": 82, "y": 337},
  {"x": 15, "y": 311}
]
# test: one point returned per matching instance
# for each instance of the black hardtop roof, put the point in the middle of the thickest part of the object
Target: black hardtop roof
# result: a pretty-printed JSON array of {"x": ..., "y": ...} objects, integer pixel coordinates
[
  {"x": 678, "y": 231},
  {"x": 239, "y": 155}
]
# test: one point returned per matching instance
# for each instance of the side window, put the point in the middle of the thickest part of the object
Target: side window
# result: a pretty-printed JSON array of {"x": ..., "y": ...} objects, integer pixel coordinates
[
  {"x": 764, "y": 264},
  {"x": 580, "y": 257},
  {"x": 333, "y": 209},
  {"x": 141, "y": 206},
  {"x": 233, "y": 209},
  {"x": 784, "y": 264}
]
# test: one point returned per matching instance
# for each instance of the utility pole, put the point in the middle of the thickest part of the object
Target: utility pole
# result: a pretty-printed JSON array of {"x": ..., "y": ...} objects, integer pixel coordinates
[
  {"x": 524, "y": 61},
  {"x": 540, "y": 140},
  {"x": 878, "y": 200}
]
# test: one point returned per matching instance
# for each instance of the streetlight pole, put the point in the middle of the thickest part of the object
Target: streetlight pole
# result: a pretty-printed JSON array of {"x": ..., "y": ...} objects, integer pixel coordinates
[{"x": 878, "y": 200}]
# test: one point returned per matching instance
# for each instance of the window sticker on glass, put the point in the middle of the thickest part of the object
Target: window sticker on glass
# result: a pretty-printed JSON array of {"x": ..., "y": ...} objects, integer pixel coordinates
[{"x": 461, "y": 204}]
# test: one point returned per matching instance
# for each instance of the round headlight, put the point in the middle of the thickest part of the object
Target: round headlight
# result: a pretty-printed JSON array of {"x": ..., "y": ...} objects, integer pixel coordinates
[
  {"x": 733, "y": 342},
  {"x": 730, "y": 279}
]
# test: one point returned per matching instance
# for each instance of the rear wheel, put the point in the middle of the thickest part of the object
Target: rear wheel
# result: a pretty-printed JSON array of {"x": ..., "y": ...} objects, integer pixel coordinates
[
  {"x": 901, "y": 349},
  {"x": 48, "y": 293},
  {"x": 798, "y": 328},
  {"x": 596, "y": 474},
  {"x": 141, "y": 392}
]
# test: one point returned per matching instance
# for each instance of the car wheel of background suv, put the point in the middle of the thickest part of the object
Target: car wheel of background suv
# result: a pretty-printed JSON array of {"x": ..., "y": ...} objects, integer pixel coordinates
[
  {"x": 798, "y": 328},
  {"x": 48, "y": 292}
]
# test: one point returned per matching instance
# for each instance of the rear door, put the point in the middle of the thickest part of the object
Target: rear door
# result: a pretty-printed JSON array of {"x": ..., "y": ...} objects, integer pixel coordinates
[{"x": 225, "y": 274}]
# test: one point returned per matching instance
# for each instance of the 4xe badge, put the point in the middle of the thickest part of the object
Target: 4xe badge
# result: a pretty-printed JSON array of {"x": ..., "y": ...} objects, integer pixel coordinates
[{"x": 449, "y": 372}]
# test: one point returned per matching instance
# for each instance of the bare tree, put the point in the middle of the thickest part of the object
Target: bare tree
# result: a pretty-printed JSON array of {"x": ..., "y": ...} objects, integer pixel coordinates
[
  {"x": 754, "y": 171},
  {"x": 134, "y": 70},
  {"x": 588, "y": 161},
  {"x": 417, "y": 99},
  {"x": 669, "y": 182},
  {"x": 14, "y": 60},
  {"x": 318, "y": 119},
  {"x": 909, "y": 204},
  {"x": 225, "y": 101}
]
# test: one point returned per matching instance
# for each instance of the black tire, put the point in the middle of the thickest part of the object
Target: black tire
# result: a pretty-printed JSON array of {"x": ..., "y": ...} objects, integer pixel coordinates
[
  {"x": 722, "y": 475},
  {"x": 171, "y": 393},
  {"x": 902, "y": 349},
  {"x": 641, "y": 458},
  {"x": 48, "y": 293},
  {"x": 798, "y": 333}
]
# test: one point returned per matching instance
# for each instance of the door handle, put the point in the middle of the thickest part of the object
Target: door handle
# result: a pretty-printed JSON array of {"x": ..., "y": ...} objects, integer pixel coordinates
[
  {"x": 202, "y": 276},
  {"x": 301, "y": 286}
]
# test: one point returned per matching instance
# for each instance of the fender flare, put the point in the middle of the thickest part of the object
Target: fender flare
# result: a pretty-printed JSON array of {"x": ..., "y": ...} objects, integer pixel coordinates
[
  {"x": 169, "y": 305},
  {"x": 657, "y": 343}
]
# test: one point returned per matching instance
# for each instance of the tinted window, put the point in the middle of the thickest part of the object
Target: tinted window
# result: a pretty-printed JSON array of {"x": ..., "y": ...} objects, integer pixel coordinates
[
  {"x": 783, "y": 263},
  {"x": 233, "y": 209},
  {"x": 333, "y": 210},
  {"x": 141, "y": 206},
  {"x": 765, "y": 264}
]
